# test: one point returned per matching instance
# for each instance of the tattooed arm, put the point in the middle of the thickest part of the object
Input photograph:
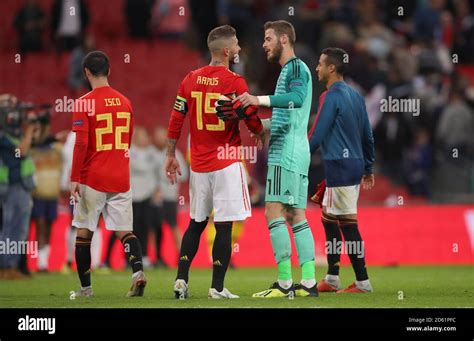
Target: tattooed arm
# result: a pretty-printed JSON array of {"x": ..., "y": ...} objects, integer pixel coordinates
[{"x": 171, "y": 164}]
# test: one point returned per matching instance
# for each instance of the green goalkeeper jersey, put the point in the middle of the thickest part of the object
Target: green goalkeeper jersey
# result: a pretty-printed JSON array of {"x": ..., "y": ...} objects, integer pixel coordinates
[{"x": 291, "y": 103}]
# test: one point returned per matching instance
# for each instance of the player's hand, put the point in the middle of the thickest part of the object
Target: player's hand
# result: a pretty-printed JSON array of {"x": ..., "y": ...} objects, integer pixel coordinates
[
  {"x": 368, "y": 181},
  {"x": 228, "y": 108},
  {"x": 75, "y": 191},
  {"x": 246, "y": 99},
  {"x": 172, "y": 167}
]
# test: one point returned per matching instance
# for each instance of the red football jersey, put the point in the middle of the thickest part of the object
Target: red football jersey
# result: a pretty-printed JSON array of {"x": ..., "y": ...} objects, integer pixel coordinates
[
  {"x": 196, "y": 98},
  {"x": 110, "y": 126}
]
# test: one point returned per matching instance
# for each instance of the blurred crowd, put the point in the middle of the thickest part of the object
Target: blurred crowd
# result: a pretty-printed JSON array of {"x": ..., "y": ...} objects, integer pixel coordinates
[{"x": 399, "y": 49}]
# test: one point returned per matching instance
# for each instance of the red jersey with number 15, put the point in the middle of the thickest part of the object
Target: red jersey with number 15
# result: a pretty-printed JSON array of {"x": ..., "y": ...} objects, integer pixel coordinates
[
  {"x": 110, "y": 127},
  {"x": 210, "y": 136}
]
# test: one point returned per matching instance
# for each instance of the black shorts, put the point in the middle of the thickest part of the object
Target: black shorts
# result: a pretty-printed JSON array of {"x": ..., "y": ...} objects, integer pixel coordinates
[
  {"x": 170, "y": 213},
  {"x": 46, "y": 209},
  {"x": 167, "y": 213}
]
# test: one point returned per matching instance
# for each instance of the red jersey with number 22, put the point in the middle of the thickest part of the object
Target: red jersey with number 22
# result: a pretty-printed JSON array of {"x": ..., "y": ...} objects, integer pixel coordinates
[{"x": 106, "y": 166}]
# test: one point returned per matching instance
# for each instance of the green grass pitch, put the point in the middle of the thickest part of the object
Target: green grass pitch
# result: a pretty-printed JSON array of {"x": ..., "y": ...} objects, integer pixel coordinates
[{"x": 395, "y": 287}]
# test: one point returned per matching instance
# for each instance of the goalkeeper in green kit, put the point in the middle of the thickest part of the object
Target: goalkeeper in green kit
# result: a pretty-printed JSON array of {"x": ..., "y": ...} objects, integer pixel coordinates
[{"x": 288, "y": 162}]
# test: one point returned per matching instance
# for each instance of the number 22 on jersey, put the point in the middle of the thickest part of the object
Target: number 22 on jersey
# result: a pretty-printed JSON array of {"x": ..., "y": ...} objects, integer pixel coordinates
[{"x": 109, "y": 128}]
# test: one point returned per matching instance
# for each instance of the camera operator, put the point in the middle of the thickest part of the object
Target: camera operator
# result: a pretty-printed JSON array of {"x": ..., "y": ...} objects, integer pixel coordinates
[{"x": 16, "y": 179}]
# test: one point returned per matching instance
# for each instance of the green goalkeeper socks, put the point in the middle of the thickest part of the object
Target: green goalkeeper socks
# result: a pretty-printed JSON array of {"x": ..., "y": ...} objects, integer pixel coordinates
[
  {"x": 281, "y": 244},
  {"x": 281, "y": 247},
  {"x": 305, "y": 247},
  {"x": 284, "y": 270},
  {"x": 307, "y": 270}
]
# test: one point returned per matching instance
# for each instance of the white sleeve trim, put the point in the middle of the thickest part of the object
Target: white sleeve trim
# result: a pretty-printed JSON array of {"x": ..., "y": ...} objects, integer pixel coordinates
[{"x": 264, "y": 101}]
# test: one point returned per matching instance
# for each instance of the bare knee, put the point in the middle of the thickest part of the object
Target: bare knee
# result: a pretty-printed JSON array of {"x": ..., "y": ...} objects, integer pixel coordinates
[
  {"x": 274, "y": 210},
  {"x": 84, "y": 233},
  {"x": 297, "y": 216},
  {"x": 121, "y": 234}
]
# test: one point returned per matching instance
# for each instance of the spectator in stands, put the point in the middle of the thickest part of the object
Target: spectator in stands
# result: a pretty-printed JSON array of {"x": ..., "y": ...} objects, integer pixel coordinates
[
  {"x": 428, "y": 20},
  {"x": 240, "y": 14},
  {"x": 167, "y": 20},
  {"x": 204, "y": 17},
  {"x": 392, "y": 134},
  {"x": 144, "y": 182},
  {"x": 47, "y": 157},
  {"x": 138, "y": 14},
  {"x": 401, "y": 24},
  {"x": 418, "y": 164},
  {"x": 455, "y": 145},
  {"x": 29, "y": 24},
  {"x": 69, "y": 20},
  {"x": 339, "y": 11},
  {"x": 464, "y": 32},
  {"x": 165, "y": 202},
  {"x": 77, "y": 81},
  {"x": 376, "y": 37},
  {"x": 456, "y": 124},
  {"x": 144, "y": 176}
]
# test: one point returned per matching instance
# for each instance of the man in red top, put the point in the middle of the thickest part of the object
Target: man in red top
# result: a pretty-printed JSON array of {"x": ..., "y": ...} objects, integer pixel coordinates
[
  {"x": 100, "y": 175},
  {"x": 218, "y": 179}
]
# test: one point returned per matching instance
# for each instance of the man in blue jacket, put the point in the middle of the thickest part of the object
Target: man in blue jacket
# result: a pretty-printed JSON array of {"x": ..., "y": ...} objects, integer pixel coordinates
[{"x": 343, "y": 132}]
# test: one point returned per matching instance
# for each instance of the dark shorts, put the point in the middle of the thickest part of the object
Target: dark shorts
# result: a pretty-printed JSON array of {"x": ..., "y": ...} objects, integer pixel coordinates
[
  {"x": 167, "y": 213},
  {"x": 46, "y": 209},
  {"x": 170, "y": 213}
]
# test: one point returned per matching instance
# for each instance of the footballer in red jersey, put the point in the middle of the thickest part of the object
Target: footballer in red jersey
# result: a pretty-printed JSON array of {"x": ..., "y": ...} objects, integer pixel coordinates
[
  {"x": 109, "y": 130},
  {"x": 217, "y": 179},
  {"x": 100, "y": 176}
]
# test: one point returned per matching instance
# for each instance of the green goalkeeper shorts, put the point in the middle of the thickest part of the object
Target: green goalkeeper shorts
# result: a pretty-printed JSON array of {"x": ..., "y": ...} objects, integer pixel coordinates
[{"x": 287, "y": 187}]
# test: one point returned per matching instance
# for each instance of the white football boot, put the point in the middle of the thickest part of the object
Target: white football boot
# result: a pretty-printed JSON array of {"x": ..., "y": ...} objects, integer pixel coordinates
[
  {"x": 180, "y": 289},
  {"x": 83, "y": 292},
  {"x": 225, "y": 293}
]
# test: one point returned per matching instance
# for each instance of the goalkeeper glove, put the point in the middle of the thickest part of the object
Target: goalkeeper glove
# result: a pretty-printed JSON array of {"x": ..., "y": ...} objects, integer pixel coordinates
[{"x": 228, "y": 111}]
